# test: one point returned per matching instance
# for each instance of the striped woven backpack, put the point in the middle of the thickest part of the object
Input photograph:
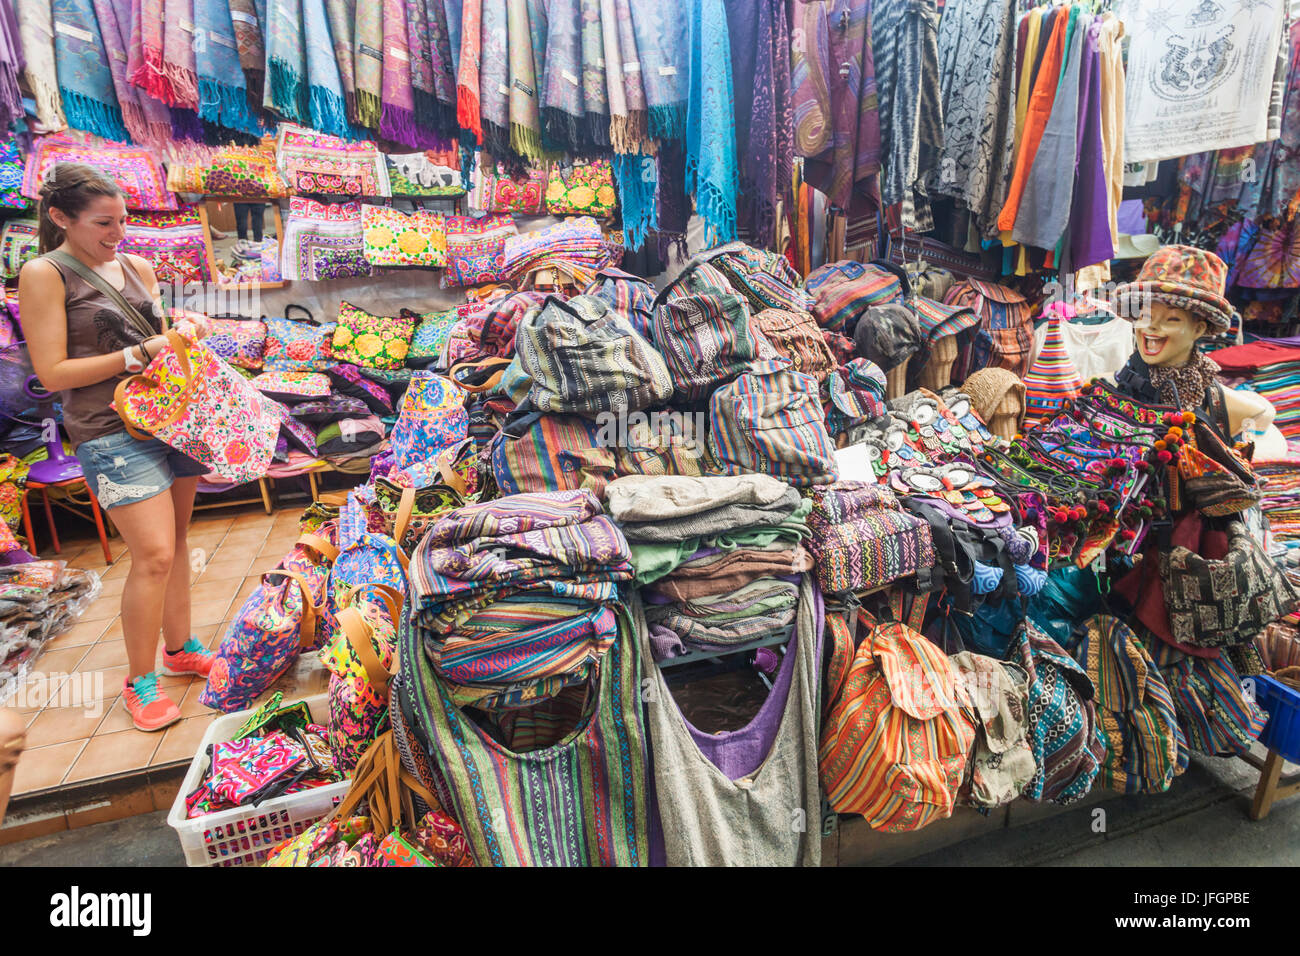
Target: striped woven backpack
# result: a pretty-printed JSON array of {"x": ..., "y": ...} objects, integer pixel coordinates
[{"x": 895, "y": 739}]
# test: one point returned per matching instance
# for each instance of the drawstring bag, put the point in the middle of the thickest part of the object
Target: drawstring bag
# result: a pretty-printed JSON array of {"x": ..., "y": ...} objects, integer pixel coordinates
[
  {"x": 895, "y": 740},
  {"x": 190, "y": 399},
  {"x": 862, "y": 538},
  {"x": 1063, "y": 734},
  {"x": 285, "y": 614},
  {"x": 1145, "y": 749},
  {"x": 706, "y": 340},
  {"x": 536, "y": 452},
  {"x": 432, "y": 417}
]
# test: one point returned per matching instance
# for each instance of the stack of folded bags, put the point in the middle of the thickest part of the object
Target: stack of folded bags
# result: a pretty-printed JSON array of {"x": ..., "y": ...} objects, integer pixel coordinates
[
  {"x": 38, "y": 599},
  {"x": 516, "y": 599},
  {"x": 574, "y": 245},
  {"x": 718, "y": 559}
]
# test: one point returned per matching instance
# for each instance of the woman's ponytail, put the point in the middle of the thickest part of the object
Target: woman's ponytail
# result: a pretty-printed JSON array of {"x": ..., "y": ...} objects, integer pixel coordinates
[{"x": 69, "y": 188}]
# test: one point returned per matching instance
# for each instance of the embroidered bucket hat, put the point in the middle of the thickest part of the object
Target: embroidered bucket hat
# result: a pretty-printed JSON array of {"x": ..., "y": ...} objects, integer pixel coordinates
[{"x": 1184, "y": 277}]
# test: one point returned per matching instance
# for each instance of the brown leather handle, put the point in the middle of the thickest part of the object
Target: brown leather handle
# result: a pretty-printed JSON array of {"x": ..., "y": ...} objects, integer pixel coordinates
[
  {"x": 382, "y": 782},
  {"x": 488, "y": 363},
  {"x": 320, "y": 545},
  {"x": 447, "y": 473},
  {"x": 178, "y": 344},
  {"x": 404, "y": 508},
  {"x": 307, "y": 635},
  {"x": 391, "y": 597},
  {"x": 360, "y": 636}
]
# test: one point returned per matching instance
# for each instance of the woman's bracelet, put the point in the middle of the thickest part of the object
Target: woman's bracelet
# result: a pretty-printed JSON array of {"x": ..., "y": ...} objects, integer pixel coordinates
[{"x": 144, "y": 354}]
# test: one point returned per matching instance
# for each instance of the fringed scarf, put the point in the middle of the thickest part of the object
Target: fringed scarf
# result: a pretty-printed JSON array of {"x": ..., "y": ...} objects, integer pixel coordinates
[
  {"x": 143, "y": 116},
  {"x": 637, "y": 178},
  {"x": 11, "y": 64},
  {"x": 524, "y": 115},
  {"x": 660, "y": 32},
  {"x": 223, "y": 93},
  {"x": 339, "y": 13},
  {"x": 674, "y": 210},
  {"x": 36, "y": 34},
  {"x": 186, "y": 124},
  {"x": 178, "y": 53},
  {"x": 252, "y": 51},
  {"x": 145, "y": 58},
  {"x": 712, "y": 174},
  {"x": 454, "y": 15},
  {"x": 562, "y": 97},
  {"x": 468, "y": 112},
  {"x": 494, "y": 78},
  {"x": 85, "y": 81},
  {"x": 631, "y": 134},
  {"x": 286, "y": 62},
  {"x": 326, "y": 104},
  {"x": 397, "y": 116},
  {"x": 368, "y": 61},
  {"x": 417, "y": 44},
  {"x": 760, "y": 68},
  {"x": 595, "y": 100},
  {"x": 442, "y": 66}
]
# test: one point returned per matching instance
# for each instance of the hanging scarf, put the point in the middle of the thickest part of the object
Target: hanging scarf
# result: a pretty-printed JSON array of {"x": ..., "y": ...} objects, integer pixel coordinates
[
  {"x": 186, "y": 124},
  {"x": 178, "y": 53},
  {"x": 494, "y": 75},
  {"x": 417, "y": 44},
  {"x": 525, "y": 116},
  {"x": 442, "y": 65},
  {"x": 286, "y": 64},
  {"x": 11, "y": 64},
  {"x": 368, "y": 61},
  {"x": 252, "y": 53},
  {"x": 223, "y": 95},
  {"x": 638, "y": 188},
  {"x": 674, "y": 206},
  {"x": 85, "y": 81},
  {"x": 397, "y": 117},
  {"x": 760, "y": 68},
  {"x": 712, "y": 175},
  {"x": 468, "y": 113},
  {"x": 627, "y": 116},
  {"x": 660, "y": 33},
  {"x": 145, "y": 58},
  {"x": 36, "y": 34},
  {"x": 454, "y": 16},
  {"x": 561, "y": 102},
  {"x": 595, "y": 101},
  {"x": 143, "y": 116},
  {"x": 325, "y": 101},
  {"x": 339, "y": 14}
]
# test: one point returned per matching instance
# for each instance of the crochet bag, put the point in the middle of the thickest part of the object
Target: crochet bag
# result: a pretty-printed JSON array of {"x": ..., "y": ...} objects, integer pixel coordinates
[
  {"x": 284, "y": 615},
  {"x": 395, "y": 238},
  {"x": 372, "y": 341},
  {"x": 1145, "y": 748},
  {"x": 241, "y": 342},
  {"x": 476, "y": 249},
  {"x": 1215, "y": 602},
  {"x": 1063, "y": 734},
  {"x": 705, "y": 340},
  {"x": 770, "y": 421},
  {"x": 894, "y": 740},
  {"x": 584, "y": 189},
  {"x": 432, "y": 418},
  {"x": 297, "y": 345},
  {"x": 586, "y": 359},
  {"x": 862, "y": 538},
  {"x": 190, "y": 399}
]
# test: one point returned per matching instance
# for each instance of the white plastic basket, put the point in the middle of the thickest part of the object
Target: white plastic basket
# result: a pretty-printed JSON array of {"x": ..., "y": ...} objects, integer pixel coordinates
[{"x": 244, "y": 835}]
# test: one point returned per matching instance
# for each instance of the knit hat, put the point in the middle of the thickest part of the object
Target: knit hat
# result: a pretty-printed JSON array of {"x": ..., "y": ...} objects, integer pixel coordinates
[
  {"x": 1184, "y": 277},
  {"x": 989, "y": 386},
  {"x": 939, "y": 319},
  {"x": 888, "y": 335}
]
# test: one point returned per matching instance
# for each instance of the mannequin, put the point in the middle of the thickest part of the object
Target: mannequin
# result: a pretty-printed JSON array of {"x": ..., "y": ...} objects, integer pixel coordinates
[
  {"x": 937, "y": 373},
  {"x": 997, "y": 395},
  {"x": 896, "y": 380}
]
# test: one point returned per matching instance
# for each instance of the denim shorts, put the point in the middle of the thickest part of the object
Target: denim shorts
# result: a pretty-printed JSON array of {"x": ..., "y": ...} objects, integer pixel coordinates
[{"x": 122, "y": 470}]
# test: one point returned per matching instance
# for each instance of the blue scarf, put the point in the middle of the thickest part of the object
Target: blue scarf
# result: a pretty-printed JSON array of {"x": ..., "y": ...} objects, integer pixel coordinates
[
  {"x": 661, "y": 32},
  {"x": 286, "y": 66},
  {"x": 637, "y": 177},
  {"x": 326, "y": 103},
  {"x": 712, "y": 173},
  {"x": 85, "y": 79},
  {"x": 223, "y": 95}
]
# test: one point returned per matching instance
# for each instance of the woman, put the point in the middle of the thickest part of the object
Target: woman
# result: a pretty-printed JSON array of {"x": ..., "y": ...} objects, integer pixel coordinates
[{"x": 82, "y": 342}]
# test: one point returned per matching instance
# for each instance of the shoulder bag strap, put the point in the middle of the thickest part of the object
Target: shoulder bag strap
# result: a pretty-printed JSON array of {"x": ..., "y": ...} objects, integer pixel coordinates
[
  {"x": 360, "y": 637},
  {"x": 100, "y": 284},
  {"x": 320, "y": 545},
  {"x": 179, "y": 347},
  {"x": 499, "y": 365}
]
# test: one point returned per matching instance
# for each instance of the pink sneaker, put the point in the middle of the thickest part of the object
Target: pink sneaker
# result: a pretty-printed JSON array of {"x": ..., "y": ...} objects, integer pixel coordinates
[
  {"x": 193, "y": 658},
  {"x": 149, "y": 707}
]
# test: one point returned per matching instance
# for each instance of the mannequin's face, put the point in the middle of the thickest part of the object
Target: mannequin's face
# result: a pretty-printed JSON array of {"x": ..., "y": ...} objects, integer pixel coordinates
[{"x": 1166, "y": 335}]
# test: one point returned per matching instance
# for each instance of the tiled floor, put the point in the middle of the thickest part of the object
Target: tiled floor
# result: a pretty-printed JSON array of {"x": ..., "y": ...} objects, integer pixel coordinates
[{"x": 93, "y": 740}]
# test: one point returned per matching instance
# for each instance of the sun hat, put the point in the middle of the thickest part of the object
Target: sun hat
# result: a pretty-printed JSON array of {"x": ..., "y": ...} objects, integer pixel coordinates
[
  {"x": 1184, "y": 277},
  {"x": 988, "y": 387}
]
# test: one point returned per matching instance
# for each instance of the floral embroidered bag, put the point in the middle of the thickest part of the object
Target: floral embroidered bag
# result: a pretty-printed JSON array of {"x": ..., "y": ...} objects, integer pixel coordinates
[
  {"x": 372, "y": 341},
  {"x": 584, "y": 189},
  {"x": 432, "y": 418},
  {"x": 294, "y": 345},
  {"x": 395, "y": 238},
  {"x": 241, "y": 342}
]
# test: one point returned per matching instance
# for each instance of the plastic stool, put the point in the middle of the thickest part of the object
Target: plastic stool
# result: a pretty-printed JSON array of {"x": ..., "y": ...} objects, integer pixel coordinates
[{"x": 43, "y": 488}]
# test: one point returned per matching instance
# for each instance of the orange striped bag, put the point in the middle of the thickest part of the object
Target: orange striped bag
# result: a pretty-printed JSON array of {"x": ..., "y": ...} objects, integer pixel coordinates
[{"x": 895, "y": 741}]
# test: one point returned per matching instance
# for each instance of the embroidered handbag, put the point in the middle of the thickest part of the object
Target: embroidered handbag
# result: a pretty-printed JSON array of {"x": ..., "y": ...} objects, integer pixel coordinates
[
  {"x": 174, "y": 243},
  {"x": 430, "y": 336},
  {"x": 361, "y": 663},
  {"x": 19, "y": 241},
  {"x": 395, "y": 238},
  {"x": 476, "y": 249},
  {"x": 372, "y": 341},
  {"x": 241, "y": 342},
  {"x": 1211, "y": 476},
  {"x": 706, "y": 341},
  {"x": 408, "y": 512},
  {"x": 586, "y": 359},
  {"x": 243, "y": 172},
  {"x": 323, "y": 241},
  {"x": 11, "y": 175},
  {"x": 349, "y": 381},
  {"x": 313, "y": 162},
  {"x": 1068, "y": 745},
  {"x": 583, "y": 189},
  {"x": 292, "y": 386},
  {"x": 862, "y": 538},
  {"x": 1216, "y": 602},
  {"x": 190, "y": 399},
  {"x": 894, "y": 740},
  {"x": 432, "y": 418},
  {"x": 770, "y": 421},
  {"x": 495, "y": 191},
  {"x": 285, "y": 614},
  {"x": 135, "y": 169},
  {"x": 296, "y": 345}
]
